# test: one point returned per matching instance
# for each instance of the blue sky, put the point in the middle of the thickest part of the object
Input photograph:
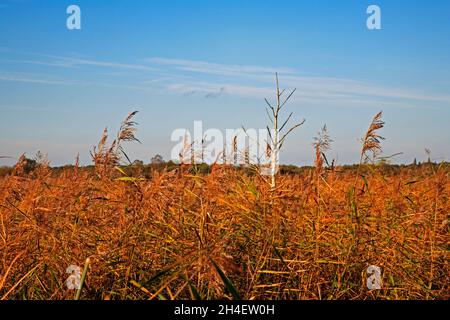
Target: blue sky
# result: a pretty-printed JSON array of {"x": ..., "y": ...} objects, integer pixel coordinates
[{"x": 180, "y": 61}]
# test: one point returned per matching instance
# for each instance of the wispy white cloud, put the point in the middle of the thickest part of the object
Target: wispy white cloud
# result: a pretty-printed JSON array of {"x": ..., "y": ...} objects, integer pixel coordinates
[
  {"x": 72, "y": 62},
  {"x": 214, "y": 80},
  {"x": 258, "y": 81},
  {"x": 218, "y": 69},
  {"x": 31, "y": 78},
  {"x": 211, "y": 88},
  {"x": 62, "y": 64},
  {"x": 46, "y": 79}
]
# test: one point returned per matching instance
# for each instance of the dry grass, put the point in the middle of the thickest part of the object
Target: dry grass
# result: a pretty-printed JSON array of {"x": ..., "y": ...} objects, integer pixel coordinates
[{"x": 226, "y": 234}]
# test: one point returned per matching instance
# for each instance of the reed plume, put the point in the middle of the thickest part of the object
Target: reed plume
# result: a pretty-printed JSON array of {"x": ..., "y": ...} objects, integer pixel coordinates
[
  {"x": 321, "y": 144},
  {"x": 105, "y": 157},
  {"x": 372, "y": 140}
]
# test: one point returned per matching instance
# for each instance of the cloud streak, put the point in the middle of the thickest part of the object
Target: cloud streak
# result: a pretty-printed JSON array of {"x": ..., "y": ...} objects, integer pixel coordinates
[
  {"x": 44, "y": 79},
  {"x": 258, "y": 81},
  {"x": 213, "y": 80},
  {"x": 70, "y": 62},
  {"x": 218, "y": 69}
]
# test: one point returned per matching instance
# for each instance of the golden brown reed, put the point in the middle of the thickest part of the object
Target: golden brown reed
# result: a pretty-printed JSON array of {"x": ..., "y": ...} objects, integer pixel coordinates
[{"x": 181, "y": 234}]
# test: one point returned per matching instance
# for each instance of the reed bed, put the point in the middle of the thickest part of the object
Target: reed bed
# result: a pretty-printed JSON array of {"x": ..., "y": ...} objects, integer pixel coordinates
[
  {"x": 224, "y": 233},
  {"x": 184, "y": 235}
]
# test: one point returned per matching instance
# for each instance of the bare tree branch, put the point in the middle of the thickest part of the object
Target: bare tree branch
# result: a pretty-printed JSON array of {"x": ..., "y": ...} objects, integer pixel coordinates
[
  {"x": 268, "y": 115},
  {"x": 288, "y": 97},
  {"x": 270, "y": 106},
  {"x": 289, "y": 131},
  {"x": 286, "y": 121}
]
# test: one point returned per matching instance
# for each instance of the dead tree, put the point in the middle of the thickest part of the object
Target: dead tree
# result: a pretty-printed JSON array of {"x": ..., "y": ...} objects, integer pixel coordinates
[{"x": 278, "y": 136}]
